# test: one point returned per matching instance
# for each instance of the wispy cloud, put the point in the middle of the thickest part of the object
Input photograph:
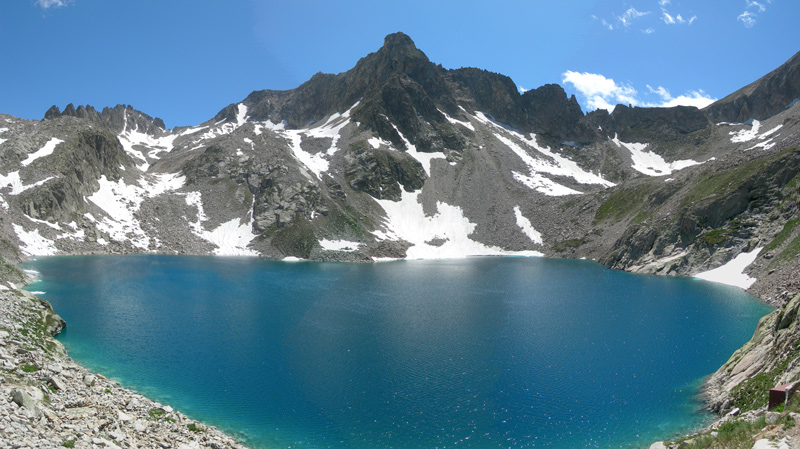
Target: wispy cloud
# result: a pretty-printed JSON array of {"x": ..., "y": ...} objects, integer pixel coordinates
[
  {"x": 630, "y": 15},
  {"x": 633, "y": 15},
  {"x": 750, "y": 14},
  {"x": 47, "y": 4},
  {"x": 600, "y": 92}
]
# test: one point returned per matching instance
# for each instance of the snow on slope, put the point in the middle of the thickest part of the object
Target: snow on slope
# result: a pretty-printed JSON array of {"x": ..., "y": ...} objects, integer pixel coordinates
[
  {"x": 317, "y": 163},
  {"x": 122, "y": 201},
  {"x": 33, "y": 244},
  {"x": 46, "y": 150},
  {"x": 732, "y": 273},
  {"x": 2, "y": 130},
  {"x": 747, "y": 135},
  {"x": 423, "y": 158},
  {"x": 231, "y": 238},
  {"x": 339, "y": 245},
  {"x": 15, "y": 182},
  {"x": 526, "y": 227},
  {"x": 649, "y": 163},
  {"x": 551, "y": 164},
  {"x": 444, "y": 235}
]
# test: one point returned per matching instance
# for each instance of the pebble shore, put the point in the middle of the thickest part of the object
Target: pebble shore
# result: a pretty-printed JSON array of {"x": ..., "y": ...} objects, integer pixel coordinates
[{"x": 49, "y": 401}]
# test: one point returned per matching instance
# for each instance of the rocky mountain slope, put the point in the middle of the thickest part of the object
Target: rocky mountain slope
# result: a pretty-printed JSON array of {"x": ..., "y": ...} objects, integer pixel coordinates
[{"x": 402, "y": 158}]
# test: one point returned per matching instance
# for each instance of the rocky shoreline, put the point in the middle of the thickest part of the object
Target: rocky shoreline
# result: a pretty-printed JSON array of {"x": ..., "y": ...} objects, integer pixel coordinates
[{"x": 49, "y": 401}]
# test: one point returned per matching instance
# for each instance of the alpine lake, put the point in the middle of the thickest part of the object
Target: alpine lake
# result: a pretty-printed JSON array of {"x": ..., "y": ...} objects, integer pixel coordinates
[{"x": 485, "y": 352}]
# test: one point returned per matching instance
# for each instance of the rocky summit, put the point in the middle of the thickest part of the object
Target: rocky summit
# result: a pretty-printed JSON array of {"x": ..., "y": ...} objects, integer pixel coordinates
[{"x": 401, "y": 158}]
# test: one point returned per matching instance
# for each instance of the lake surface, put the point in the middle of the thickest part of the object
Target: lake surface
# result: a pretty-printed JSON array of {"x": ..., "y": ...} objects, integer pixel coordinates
[{"x": 476, "y": 353}]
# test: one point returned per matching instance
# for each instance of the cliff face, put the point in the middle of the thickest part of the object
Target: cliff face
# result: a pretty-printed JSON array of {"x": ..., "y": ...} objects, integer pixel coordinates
[{"x": 764, "y": 98}]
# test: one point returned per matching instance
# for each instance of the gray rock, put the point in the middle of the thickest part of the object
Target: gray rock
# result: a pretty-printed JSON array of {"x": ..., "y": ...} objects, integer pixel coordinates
[
  {"x": 772, "y": 417},
  {"x": 24, "y": 400},
  {"x": 89, "y": 380}
]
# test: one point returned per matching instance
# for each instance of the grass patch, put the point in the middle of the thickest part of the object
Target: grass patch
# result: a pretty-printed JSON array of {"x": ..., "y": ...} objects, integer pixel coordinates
[
  {"x": 789, "y": 253},
  {"x": 29, "y": 368},
  {"x": 625, "y": 202},
  {"x": 714, "y": 184},
  {"x": 714, "y": 237},
  {"x": 782, "y": 236},
  {"x": 565, "y": 245},
  {"x": 195, "y": 428},
  {"x": 68, "y": 443}
]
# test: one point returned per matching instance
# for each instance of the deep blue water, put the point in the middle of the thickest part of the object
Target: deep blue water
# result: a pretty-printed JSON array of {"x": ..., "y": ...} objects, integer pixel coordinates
[{"x": 477, "y": 353}]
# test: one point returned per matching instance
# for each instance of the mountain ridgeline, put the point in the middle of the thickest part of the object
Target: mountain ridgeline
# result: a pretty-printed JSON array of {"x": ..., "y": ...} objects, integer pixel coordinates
[{"x": 401, "y": 158}]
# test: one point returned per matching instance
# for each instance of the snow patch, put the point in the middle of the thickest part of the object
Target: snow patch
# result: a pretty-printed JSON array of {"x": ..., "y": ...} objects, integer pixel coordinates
[
  {"x": 121, "y": 202},
  {"x": 526, "y": 227},
  {"x": 649, "y": 163},
  {"x": 42, "y": 222},
  {"x": 231, "y": 237},
  {"x": 423, "y": 158},
  {"x": 553, "y": 164},
  {"x": 331, "y": 129},
  {"x": 13, "y": 180},
  {"x": 133, "y": 137},
  {"x": 732, "y": 273},
  {"x": 467, "y": 125},
  {"x": 339, "y": 245},
  {"x": 46, "y": 150},
  {"x": 444, "y": 235},
  {"x": 33, "y": 244},
  {"x": 745, "y": 135},
  {"x": 241, "y": 114}
]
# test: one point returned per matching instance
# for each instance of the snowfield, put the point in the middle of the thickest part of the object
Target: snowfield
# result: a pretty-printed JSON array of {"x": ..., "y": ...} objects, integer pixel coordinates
[
  {"x": 46, "y": 150},
  {"x": 649, "y": 163},
  {"x": 444, "y": 235},
  {"x": 732, "y": 273}
]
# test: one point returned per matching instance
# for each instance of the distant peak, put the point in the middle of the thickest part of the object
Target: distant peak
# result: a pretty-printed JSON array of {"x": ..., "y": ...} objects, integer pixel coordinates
[{"x": 398, "y": 40}]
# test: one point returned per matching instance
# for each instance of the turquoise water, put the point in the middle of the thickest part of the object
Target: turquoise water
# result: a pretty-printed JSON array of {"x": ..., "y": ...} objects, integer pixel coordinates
[{"x": 476, "y": 353}]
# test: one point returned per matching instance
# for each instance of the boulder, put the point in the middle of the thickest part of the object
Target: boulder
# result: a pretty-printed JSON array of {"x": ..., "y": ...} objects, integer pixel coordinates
[{"x": 24, "y": 400}]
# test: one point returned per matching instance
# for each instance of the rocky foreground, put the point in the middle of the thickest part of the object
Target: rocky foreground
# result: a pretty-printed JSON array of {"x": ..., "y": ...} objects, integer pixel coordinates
[{"x": 49, "y": 401}]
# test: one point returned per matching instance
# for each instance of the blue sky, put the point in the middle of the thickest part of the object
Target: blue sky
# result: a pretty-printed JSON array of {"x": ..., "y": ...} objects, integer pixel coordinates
[{"x": 184, "y": 61}]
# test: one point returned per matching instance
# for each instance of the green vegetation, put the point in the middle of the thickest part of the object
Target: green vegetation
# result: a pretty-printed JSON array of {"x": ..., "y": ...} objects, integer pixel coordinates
[
  {"x": 753, "y": 393},
  {"x": 565, "y": 245},
  {"x": 788, "y": 254},
  {"x": 195, "y": 428},
  {"x": 159, "y": 414},
  {"x": 782, "y": 236},
  {"x": 625, "y": 202},
  {"x": 713, "y": 184},
  {"x": 30, "y": 368},
  {"x": 68, "y": 443},
  {"x": 714, "y": 237}
]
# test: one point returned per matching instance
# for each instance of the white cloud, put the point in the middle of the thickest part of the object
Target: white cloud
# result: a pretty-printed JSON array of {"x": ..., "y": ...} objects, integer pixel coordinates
[
  {"x": 747, "y": 18},
  {"x": 751, "y": 12},
  {"x": 599, "y": 92},
  {"x": 630, "y": 15},
  {"x": 697, "y": 98},
  {"x": 45, "y": 4},
  {"x": 759, "y": 6},
  {"x": 671, "y": 19}
]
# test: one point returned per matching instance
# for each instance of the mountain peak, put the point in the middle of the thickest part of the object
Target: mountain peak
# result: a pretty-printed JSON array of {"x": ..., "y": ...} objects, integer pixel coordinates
[
  {"x": 399, "y": 48},
  {"x": 398, "y": 40}
]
